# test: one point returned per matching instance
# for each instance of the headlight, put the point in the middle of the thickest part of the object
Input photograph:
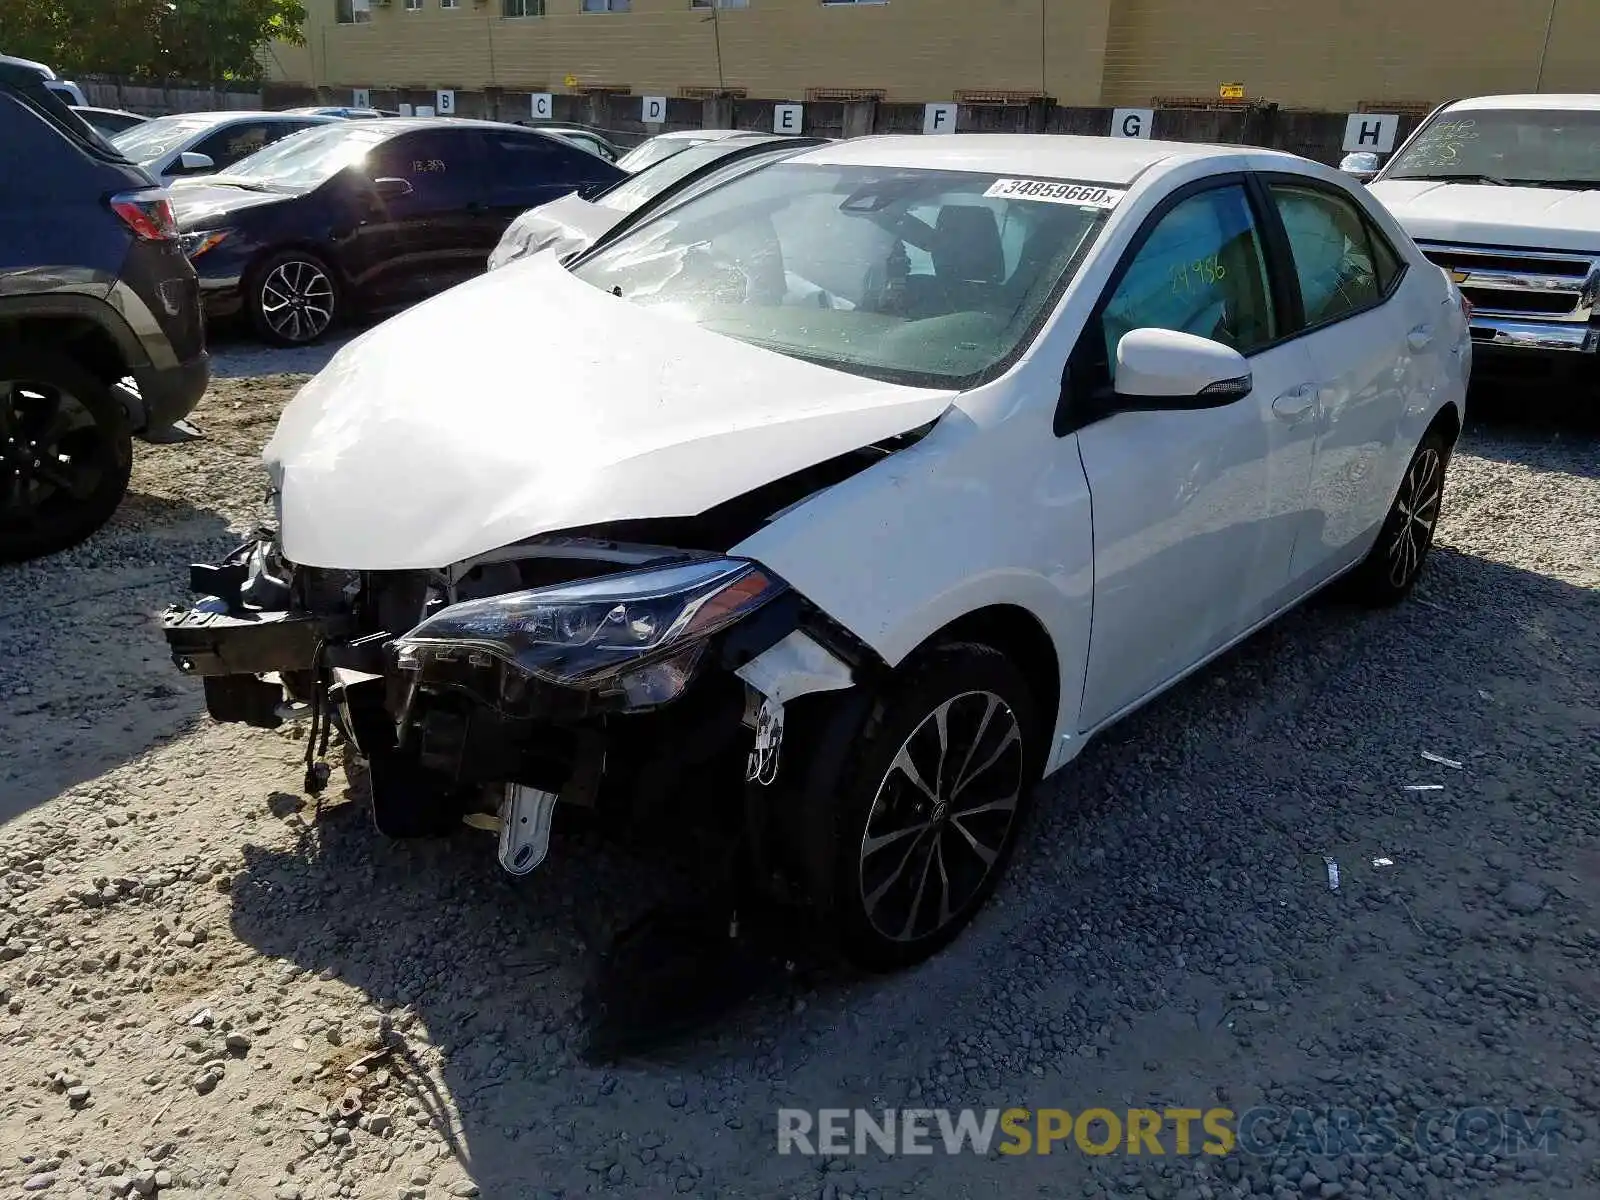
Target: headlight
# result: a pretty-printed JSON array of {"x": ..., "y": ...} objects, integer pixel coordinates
[
  {"x": 638, "y": 634},
  {"x": 197, "y": 243}
]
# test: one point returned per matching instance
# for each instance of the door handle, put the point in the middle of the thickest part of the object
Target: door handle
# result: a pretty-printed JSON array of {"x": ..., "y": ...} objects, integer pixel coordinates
[
  {"x": 1292, "y": 406},
  {"x": 1420, "y": 338}
]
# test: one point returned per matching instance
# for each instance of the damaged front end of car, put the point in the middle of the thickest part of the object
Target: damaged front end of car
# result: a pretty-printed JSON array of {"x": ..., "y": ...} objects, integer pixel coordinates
[{"x": 643, "y": 682}]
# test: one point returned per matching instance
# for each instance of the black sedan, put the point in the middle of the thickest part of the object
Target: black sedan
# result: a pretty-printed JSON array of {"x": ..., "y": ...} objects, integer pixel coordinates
[{"x": 366, "y": 215}]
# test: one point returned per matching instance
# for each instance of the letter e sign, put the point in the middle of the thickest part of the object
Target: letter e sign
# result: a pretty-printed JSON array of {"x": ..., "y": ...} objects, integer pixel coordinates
[
  {"x": 939, "y": 118},
  {"x": 1132, "y": 122},
  {"x": 654, "y": 111},
  {"x": 787, "y": 118},
  {"x": 1374, "y": 132}
]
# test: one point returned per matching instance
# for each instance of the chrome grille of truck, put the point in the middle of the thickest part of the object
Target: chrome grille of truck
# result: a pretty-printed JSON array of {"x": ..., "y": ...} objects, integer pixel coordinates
[{"x": 1517, "y": 283}]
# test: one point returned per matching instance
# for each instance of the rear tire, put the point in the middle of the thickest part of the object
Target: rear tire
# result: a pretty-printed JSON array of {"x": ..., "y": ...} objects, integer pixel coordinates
[
  {"x": 293, "y": 298},
  {"x": 1394, "y": 564},
  {"x": 66, "y": 454},
  {"x": 931, "y": 804}
]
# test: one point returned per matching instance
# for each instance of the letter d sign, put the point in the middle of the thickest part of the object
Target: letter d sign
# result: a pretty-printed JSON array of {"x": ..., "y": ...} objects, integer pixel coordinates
[
  {"x": 655, "y": 110},
  {"x": 1132, "y": 122}
]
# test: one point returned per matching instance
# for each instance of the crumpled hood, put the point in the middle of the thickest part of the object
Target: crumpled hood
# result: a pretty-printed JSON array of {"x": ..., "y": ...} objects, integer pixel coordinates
[
  {"x": 564, "y": 225},
  {"x": 526, "y": 402},
  {"x": 1529, "y": 218},
  {"x": 202, "y": 202}
]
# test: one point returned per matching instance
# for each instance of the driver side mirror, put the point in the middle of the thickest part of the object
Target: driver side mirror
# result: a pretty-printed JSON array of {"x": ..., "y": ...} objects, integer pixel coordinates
[
  {"x": 1362, "y": 165},
  {"x": 192, "y": 162},
  {"x": 390, "y": 188},
  {"x": 1162, "y": 369}
]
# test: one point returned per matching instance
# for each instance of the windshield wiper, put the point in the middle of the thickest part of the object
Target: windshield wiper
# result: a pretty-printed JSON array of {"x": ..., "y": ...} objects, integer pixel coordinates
[
  {"x": 1577, "y": 185},
  {"x": 1494, "y": 179}
]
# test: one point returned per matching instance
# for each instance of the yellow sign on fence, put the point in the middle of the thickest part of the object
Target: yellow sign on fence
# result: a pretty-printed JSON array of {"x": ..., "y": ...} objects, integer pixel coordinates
[{"x": 1233, "y": 91}]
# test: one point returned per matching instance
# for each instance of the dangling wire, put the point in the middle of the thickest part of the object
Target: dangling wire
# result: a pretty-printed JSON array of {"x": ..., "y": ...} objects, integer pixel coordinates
[{"x": 316, "y": 777}]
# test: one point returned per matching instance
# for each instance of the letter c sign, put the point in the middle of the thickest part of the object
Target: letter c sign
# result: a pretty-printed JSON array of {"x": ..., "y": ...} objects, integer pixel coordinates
[{"x": 1132, "y": 122}]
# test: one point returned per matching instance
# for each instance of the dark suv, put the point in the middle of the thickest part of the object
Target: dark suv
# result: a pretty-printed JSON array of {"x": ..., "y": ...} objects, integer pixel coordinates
[{"x": 101, "y": 335}]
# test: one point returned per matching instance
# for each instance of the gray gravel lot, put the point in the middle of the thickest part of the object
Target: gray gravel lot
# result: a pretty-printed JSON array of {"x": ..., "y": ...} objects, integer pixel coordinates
[{"x": 195, "y": 963}]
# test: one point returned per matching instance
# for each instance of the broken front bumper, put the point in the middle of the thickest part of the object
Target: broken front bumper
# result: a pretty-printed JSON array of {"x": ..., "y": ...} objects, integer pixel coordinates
[{"x": 452, "y": 731}]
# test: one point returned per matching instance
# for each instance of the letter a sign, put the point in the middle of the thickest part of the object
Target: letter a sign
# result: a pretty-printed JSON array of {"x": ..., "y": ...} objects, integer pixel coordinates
[{"x": 1374, "y": 132}]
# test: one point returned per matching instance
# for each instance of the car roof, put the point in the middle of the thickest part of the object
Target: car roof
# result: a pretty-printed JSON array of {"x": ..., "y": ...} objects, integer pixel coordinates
[
  {"x": 703, "y": 135},
  {"x": 11, "y": 60},
  {"x": 1583, "y": 101},
  {"x": 1057, "y": 155},
  {"x": 239, "y": 114}
]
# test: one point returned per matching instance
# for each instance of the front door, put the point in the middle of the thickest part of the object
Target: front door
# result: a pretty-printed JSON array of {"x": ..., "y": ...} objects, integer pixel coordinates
[
  {"x": 414, "y": 245},
  {"x": 1195, "y": 512}
]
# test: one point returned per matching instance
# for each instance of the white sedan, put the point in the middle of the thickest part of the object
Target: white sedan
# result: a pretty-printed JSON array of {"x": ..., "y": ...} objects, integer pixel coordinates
[
  {"x": 190, "y": 144},
  {"x": 834, "y": 507}
]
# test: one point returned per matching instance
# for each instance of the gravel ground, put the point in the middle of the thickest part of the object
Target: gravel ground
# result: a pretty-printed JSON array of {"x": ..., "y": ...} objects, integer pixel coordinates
[{"x": 198, "y": 968}]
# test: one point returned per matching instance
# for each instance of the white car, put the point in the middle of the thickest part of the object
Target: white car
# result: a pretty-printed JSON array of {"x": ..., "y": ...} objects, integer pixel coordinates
[
  {"x": 190, "y": 144},
  {"x": 834, "y": 507},
  {"x": 665, "y": 145},
  {"x": 1504, "y": 193}
]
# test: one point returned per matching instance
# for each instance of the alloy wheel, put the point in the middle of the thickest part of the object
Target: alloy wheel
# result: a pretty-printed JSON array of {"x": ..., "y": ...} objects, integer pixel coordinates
[
  {"x": 297, "y": 300},
  {"x": 53, "y": 453},
  {"x": 941, "y": 816},
  {"x": 1418, "y": 508}
]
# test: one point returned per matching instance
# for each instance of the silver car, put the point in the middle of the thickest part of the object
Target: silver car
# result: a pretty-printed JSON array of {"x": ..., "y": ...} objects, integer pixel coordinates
[{"x": 202, "y": 143}]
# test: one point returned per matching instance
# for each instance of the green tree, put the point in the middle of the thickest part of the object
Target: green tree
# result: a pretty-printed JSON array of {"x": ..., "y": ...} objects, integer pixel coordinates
[{"x": 206, "y": 40}]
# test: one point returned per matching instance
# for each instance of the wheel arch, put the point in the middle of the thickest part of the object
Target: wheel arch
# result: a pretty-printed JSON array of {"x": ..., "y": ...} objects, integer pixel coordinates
[
  {"x": 1019, "y": 635},
  {"x": 320, "y": 250}
]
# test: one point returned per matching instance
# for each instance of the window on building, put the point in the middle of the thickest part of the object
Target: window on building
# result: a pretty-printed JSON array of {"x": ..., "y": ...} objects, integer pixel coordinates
[
  {"x": 345, "y": 12},
  {"x": 522, "y": 8},
  {"x": 449, "y": 3},
  {"x": 595, "y": 6},
  {"x": 719, "y": 3},
  {"x": 833, "y": 2},
  {"x": 413, "y": 5}
]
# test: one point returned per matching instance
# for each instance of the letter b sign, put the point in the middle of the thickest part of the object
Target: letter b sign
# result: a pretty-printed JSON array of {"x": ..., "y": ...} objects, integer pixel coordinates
[{"x": 1132, "y": 122}]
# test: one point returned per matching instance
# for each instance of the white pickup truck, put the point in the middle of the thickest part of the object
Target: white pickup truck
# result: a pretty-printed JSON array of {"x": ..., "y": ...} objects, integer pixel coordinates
[{"x": 1504, "y": 193}]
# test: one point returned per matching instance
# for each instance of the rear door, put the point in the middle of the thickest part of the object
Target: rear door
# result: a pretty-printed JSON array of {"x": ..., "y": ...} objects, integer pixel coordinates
[
  {"x": 1368, "y": 334},
  {"x": 527, "y": 169},
  {"x": 432, "y": 237}
]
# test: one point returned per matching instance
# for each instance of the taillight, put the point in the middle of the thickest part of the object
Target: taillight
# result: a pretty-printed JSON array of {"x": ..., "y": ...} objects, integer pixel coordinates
[{"x": 148, "y": 213}]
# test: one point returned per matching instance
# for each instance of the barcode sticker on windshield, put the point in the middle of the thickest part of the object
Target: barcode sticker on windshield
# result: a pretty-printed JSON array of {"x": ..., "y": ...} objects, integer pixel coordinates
[{"x": 1084, "y": 194}]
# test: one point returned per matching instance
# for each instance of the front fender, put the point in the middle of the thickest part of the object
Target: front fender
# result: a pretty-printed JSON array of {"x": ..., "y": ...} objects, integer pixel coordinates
[{"x": 964, "y": 520}]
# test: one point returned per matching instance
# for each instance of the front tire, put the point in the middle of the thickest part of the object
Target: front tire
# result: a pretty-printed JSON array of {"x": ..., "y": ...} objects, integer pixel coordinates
[
  {"x": 292, "y": 298},
  {"x": 1394, "y": 564},
  {"x": 66, "y": 454},
  {"x": 931, "y": 805}
]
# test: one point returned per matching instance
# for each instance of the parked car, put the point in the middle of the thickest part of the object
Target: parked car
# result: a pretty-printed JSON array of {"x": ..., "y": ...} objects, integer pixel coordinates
[
  {"x": 882, "y": 479},
  {"x": 1504, "y": 193},
  {"x": 189, "y": 144},
  {"x": 109, "y": 121},
  {"x": 593, "y": 140},
  {"x": 94, "y": 292},
  {"x": 665, "y": 145},
  {"x": 366, "y": 214},
  {"x": 345, "y": 111},
  {"x": 64, "y": 90},
  {"x": 574, "y": 221}
]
